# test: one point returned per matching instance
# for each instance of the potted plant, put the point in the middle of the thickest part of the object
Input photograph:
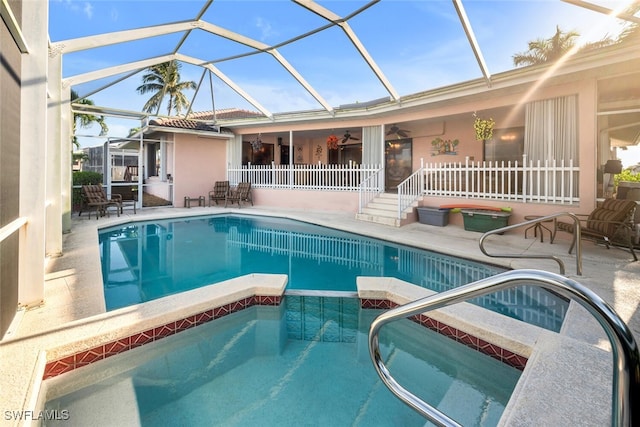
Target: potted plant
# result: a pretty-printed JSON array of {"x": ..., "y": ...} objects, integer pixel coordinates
[
  {"x": 332, "y": 142},
  {"x": 483, "y": 127}
]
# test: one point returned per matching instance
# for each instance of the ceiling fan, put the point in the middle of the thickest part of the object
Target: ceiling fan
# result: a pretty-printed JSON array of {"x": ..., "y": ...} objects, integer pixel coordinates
[
  {"x": 347, "y": 136},
  {"x": 395, "y": 130}
]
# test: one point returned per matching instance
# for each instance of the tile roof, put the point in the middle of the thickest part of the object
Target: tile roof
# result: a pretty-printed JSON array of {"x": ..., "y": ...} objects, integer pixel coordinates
[
  {"x": 226, "y": 114},
  {"x": 196, "y": 121}
]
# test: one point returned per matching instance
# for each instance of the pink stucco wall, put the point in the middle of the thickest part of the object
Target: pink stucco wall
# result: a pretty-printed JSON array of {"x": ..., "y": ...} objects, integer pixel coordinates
[
  {"x": 199, "y": 162},
  {"x": 307, "y": 199}
]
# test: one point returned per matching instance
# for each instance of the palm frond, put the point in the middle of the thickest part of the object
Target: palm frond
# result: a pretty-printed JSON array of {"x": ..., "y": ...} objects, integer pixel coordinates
[{"x": 163, "y": 81}]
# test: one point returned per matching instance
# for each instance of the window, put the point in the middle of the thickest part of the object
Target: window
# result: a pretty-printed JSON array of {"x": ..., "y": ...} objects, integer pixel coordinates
[
  {"x": 345, "y": 154},
  {"x": 261, "y": 156},
  {"x": 506, "y": 145}
]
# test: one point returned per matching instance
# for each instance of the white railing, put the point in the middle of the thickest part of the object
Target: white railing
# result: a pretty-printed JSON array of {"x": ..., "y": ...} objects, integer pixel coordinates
[
  {"x": 308, "y": 176},
  {"x": 370, "y": 188},
  {"x": 537, "y": 182},
  {"x": 410, "y": 189}
]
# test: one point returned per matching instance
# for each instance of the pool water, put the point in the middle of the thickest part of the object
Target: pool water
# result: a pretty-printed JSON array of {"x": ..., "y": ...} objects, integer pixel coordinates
[
  {"x": 305, "y": 362},
  {"x": 143, "y": 261}
]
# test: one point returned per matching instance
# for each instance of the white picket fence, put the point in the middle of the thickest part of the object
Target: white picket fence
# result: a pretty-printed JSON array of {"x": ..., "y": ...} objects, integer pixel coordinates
[
  {"x": 303, "y": 176},
  {"x": 528, "y": 182}
]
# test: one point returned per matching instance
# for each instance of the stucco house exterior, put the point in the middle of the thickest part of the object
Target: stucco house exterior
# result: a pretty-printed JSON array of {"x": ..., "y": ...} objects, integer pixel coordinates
[{"x": 561, "y": 122}]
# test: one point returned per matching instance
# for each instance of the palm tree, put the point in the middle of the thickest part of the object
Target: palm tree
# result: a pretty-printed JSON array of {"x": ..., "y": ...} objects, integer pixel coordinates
[
  {"x": 631, "y": 31},
  {"x": 164, "y": 80},
  {"x": 542, "y": 51},
  {"x": 86, "y": 120}
]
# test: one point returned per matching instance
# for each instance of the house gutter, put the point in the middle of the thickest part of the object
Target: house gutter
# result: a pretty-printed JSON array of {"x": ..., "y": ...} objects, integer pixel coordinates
[
  {"x": 201, "y": 133},
  {"x": 584, "y": 62}
]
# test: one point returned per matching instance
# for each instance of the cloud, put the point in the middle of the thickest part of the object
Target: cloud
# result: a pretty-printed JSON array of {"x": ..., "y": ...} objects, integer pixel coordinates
[
  {"x": 88, "y": 10},
  {"x": 265, "y": 28}
]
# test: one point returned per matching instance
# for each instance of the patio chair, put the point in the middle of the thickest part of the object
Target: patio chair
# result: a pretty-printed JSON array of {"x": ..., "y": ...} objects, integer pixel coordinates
[
  {"x": 242, "y": 193},
  {"x": 220, "y": 191},
  {"x": 94, "y": 197},
  {"x": 605, "y": 224}
]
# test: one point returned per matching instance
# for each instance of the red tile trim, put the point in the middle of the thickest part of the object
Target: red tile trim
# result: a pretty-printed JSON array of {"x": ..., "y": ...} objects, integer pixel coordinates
[
  {"x": 120, "y": 345},
  {"x": 505, "y": 356},
  {"x": 267, "y": 300},
  {"x": 86, "y": 357},
  {"x": 58, "y": 367},
  {"x": 377, "y": 303}
]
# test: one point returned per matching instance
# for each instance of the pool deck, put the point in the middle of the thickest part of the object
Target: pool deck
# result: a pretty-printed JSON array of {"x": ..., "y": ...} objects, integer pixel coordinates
[{"x": 551, "y": 391}]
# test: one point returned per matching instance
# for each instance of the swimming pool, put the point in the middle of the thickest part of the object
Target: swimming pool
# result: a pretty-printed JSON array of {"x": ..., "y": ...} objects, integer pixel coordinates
[
  {"x": 305, "y": 362},
  {"x": 143, "y": 261}
]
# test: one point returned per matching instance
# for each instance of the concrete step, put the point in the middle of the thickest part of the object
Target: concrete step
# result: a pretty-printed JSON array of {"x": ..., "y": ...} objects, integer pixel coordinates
[
  {"x": 383, "y": 206},
  {"x": 394, "y": 222},
  {"x": 388, "y": 196},
  {"x": 384, "y": 210},
  {"x": 391, "y": 213}
]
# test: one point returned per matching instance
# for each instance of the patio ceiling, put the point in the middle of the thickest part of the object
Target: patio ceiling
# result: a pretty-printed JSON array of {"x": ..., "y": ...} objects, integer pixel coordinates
[{"x": 220, "y": 47}]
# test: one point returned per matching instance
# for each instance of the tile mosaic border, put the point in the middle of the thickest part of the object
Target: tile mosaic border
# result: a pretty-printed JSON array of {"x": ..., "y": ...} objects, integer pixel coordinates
[
  {"x": 505, "y": 356},
  {"x": 86, "y": 357}
]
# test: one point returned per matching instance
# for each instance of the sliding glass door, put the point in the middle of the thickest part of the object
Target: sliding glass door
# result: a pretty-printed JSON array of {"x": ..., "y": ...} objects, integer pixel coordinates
[{"x": 398, "y": 162}]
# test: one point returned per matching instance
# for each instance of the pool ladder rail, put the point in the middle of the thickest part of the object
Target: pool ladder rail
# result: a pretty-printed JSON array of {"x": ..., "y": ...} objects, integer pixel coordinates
[
  {"x": 577, "y": 237},
  {"x": 626, "y": 358}
]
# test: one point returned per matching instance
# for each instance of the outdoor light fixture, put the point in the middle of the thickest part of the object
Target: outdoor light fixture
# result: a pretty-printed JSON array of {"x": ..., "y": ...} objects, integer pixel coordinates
[
  {"x": 613, "y": 167},
  {"x": 256, "y": 144}
]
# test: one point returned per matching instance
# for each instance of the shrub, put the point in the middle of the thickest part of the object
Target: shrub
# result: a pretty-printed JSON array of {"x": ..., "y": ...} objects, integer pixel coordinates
[
  {"x": 87, "y": 178},
  {"x": 83, "y": 178},
  {"x": 626, "y": 175}
]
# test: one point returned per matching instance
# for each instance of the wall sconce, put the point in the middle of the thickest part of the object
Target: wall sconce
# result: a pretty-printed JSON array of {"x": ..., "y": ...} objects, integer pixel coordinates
[{"x": 279, "y": 141}]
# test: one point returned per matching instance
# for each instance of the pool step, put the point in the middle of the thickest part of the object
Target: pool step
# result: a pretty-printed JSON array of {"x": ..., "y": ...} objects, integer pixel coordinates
[{"x": 384, "y": 210}]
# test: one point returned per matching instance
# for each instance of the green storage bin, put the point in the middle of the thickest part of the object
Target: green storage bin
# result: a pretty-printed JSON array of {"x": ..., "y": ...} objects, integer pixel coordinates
[{"x": 484, "y": 220}]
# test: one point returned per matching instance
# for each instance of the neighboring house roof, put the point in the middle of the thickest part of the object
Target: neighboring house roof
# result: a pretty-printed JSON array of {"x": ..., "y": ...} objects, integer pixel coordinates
[
  {"x": 226, "y": 114},
  {"x": 205, "y": 120}
]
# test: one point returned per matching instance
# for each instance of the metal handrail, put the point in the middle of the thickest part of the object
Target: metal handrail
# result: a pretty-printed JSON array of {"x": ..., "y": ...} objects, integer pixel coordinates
[
  {"x": 410, "y": 190},
  {"x": 626, "y": 358},
  {"x": 369, "y": 186},
  {"x": 577, "y": 237}
]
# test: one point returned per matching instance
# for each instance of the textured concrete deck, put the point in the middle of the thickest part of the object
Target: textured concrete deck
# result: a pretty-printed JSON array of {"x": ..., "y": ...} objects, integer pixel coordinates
[{"x": 568, "y": 377}]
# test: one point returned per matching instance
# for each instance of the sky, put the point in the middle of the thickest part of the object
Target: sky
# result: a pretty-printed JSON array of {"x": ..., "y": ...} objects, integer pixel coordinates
[{"x": 418, "y": 45}]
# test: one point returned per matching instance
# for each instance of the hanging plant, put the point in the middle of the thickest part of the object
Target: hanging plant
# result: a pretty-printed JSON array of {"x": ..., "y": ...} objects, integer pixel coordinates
[
  {"x": 256, "y": 144},
  {"x": 483, "y": 128},
  {"x": 332, "y": 142}
]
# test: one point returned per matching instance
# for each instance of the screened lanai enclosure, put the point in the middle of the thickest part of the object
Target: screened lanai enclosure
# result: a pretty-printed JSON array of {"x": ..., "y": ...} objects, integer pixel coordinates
[
  {"x": 405, "y": 78},
  {"x": 133, "y": 167},
  {"x": 387, "y": 137}
]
